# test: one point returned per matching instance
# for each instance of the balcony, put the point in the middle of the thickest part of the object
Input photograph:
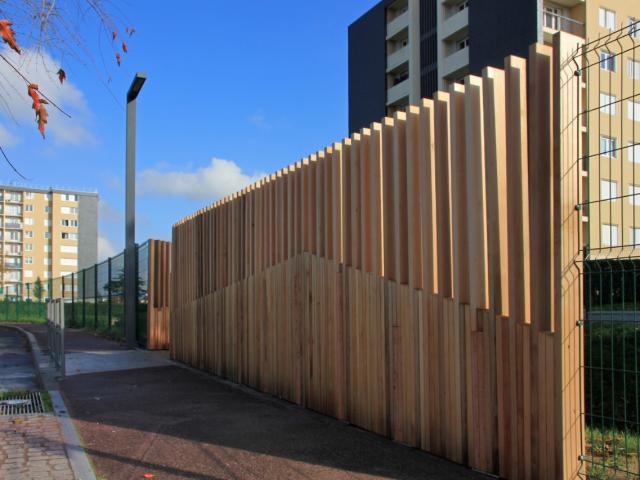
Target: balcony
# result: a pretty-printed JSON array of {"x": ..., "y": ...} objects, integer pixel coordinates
[
  {"x": 13, "y": 225},
  {"x": 457, "y": 24},
  {"x": 454, "y": 64},
  {"x": 553, "y": 23},
  {"x": 397, "y": 25},
  {"x": 397, "y": 58},
  {"x": 13, "y": 265},
  {"x": 13, "y": 240},
  {"x": 398, "y": 92},
  {"x": 13, "y": 200}
]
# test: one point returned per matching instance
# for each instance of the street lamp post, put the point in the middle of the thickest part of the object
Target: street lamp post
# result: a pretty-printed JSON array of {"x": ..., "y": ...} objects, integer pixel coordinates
[{"x": 130, "y": 280}]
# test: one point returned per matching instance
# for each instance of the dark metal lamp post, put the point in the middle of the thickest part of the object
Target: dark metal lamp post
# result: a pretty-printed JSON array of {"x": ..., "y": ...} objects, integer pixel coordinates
[{"x": 130, "y": 280}]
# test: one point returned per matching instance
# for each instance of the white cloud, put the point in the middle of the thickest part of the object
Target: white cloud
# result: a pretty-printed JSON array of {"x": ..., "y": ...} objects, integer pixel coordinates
[
  {"x": 16, "y": 104},
  {"x": 259, "y": 120},
  {"x": 105, "y": 248},
  {"x": 8, "y": 139},
  {"x": 109, "y": 214},
  {"x": 219, "y": 178}
]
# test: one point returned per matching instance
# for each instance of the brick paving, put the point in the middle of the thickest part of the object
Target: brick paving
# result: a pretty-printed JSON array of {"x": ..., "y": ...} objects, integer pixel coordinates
[{"x": 31, "y": 447}]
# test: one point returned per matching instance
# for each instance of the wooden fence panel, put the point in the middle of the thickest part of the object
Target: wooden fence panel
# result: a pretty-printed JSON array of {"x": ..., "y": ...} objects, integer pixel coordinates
[{"x": 405, "y": 280}]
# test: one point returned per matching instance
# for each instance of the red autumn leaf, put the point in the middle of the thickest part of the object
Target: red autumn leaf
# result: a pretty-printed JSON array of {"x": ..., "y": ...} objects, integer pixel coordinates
[
  {"x": 41, "y": 117},
  {"x": 8, "y": 35},
  {"x": 62, "y": 75},
  {"x": 124, "y": 47},
  {"x": 32, "y": 90},
  {"x": 118, "y": 59},
  {"x": 114, "y": 35}
]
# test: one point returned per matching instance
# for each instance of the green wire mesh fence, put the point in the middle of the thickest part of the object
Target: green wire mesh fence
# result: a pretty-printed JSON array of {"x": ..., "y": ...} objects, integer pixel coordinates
[{"x": 94, "y": 297}]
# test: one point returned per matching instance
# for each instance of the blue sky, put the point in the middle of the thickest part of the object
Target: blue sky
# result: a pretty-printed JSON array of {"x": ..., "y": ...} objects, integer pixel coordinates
[{"x": 232, "y": 93}]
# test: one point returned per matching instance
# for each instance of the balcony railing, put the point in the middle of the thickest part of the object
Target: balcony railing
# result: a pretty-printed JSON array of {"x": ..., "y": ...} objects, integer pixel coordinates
[
  {"x": 14, "y": 225},
  {"x": 556, "y": 22},
  {"x": 15, "y": 265}
]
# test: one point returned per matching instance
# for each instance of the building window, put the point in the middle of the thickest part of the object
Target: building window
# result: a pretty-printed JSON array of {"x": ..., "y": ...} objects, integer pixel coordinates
[
  {"x": 47, "y": 223},
  {"x": 462, "y": 44},
  {"x": 28, "y": 208},
  {"x": 608, "y": 103},
  {"x": 47, "y": 235},
  {"x": 28, "y": 233},
  {"x": 634, "y": 235},
  {"x": 47, "y": 260},
  {"x": 607, "y": 61},
  {"x": 552, "y": 17},
  {"x": 633, "y": 151},
  {"x": 69, "y": 210},
  {"x": 47, "y": 209},
  {"x": 69, "y": 236},
  {"x": 28, "y": 221},
  {"x": 633, "y": 111},
  {"x": 13, "y": 210},
  {"x": 46, "y": 274},
  {"x": 462, "y": 5},
  {"x": 28, "y": 247},
  {"x": 634, "y": 27},
  {"x": 69, "y": 197},
  {"x": 634, "y": 69},
  {"x": 607, "y": 18},
  {"x": 28, "y": 260},
  {"x": 15, "y": 197},
  {"x": 69, "y": 262},
  {"x": 68, "y": 249},
  {"x": 634, "y": 194},
  {"x": 15, "y": 236},
  {"x": 610, "y": 235},
  {"x": 608, "y": 190},
  {"x": 47, "y": 197},
  {"x": 28, "y": 273},
  {"x": 28, "y": 195},
  {"x": 47, "y": 248},
  {"x": 68, "y": 223},
  {"x": 608, "y": 147}
]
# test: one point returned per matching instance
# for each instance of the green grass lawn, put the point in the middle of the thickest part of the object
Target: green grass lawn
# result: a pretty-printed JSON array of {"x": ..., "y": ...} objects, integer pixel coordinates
[{"x": 611, "y": 454}]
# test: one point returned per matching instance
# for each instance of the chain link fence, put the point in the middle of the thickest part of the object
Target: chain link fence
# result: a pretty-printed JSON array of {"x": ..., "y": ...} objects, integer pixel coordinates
[{"x": 93, "y": 298}]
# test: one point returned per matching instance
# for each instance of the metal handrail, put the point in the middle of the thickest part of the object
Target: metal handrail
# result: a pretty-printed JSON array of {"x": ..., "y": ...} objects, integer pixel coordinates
[{"x": 55, "y": 333}]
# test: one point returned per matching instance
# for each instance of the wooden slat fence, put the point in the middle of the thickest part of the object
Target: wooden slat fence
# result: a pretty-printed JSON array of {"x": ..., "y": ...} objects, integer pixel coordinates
[
  {"x": 158, "y": 292},
  {"x": 411, "y": 279}
]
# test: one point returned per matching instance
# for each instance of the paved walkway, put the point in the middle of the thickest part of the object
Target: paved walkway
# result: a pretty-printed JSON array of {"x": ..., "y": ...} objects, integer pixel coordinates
[
  {"x": 16, "y": 364},
  {"x": 175, "y": 423},
  {"x": 31, "y": 446},
  {"x": 169, "y": 422}
]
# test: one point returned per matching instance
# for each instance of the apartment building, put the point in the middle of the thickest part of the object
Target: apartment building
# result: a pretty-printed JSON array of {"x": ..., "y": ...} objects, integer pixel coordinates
[
  {"x": 612, "y": 129},
  {"x": 45, "y": 233},
  {"x": 403, "y": 50}
]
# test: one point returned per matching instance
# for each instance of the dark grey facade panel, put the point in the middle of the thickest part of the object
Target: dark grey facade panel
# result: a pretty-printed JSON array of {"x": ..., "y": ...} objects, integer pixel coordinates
[
  {"x": 498, "y": 28},
  {"x": 88, "y": 230},
  {"x": 428, "y": 48},
  {"x": 367, "y": 68}
]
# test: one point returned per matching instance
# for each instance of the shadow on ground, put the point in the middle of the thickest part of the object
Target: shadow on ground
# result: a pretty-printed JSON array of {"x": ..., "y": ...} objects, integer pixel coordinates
[{"x": 176, "y": 423}]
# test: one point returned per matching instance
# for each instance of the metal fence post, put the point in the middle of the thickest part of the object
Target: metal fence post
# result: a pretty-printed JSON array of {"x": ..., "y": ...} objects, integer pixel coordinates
[
  {"x": 109, "y": 292},
  {"x": 95, "y": 297},
  {"x": 84, "y": 298},
  {"x": 73, "y": 298}
]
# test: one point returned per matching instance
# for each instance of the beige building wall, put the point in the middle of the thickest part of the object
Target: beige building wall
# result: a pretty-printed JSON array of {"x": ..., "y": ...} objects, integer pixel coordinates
[{"x": 610, "y": 221}]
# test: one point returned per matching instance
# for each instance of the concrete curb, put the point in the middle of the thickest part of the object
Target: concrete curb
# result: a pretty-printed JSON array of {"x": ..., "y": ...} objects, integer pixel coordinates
[{"x": 78, "y": 458}]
